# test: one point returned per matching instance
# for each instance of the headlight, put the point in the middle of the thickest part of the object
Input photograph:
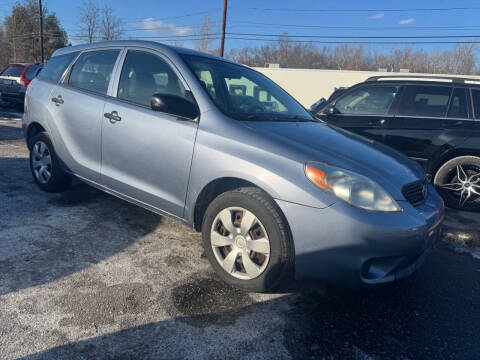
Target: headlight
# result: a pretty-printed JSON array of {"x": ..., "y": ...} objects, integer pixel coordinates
[{"x": 355, "y": 189}]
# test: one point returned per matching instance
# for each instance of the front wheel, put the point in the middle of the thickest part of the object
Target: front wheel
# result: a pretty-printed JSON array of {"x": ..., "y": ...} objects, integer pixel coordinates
[
  {"x": 247, "y": 241},
  {"x": 458, "y": 182},
  {"x": 45, "y": 165}
]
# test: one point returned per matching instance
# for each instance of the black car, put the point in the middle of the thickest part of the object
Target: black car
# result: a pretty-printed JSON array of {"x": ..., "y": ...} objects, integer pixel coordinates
[{"x": 434, "y": 120}]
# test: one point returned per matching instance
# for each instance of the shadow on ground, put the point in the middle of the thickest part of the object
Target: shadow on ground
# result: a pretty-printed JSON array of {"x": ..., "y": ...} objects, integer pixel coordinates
[
  {"x": 10, "y": 133},
  {"x": 45, "y": 237},
  {"x": 419, "y": 318}
]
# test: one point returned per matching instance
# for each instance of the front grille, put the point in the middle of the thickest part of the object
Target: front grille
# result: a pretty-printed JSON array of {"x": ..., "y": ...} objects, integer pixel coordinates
[{"x": 415, "y": 192}]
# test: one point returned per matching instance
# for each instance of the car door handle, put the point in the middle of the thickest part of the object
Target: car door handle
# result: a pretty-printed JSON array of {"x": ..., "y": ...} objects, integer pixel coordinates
[
  {"x": 112, "y": 116},
  {"x": 58, "y": 100},
  {"x": 377, "y": 122}
]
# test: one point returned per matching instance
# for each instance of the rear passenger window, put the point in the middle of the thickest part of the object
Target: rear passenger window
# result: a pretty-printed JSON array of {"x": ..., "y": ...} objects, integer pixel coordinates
[
  {"x": 419, "y": 100},
  {"x": 144, "y": 74},
  {"x": 367, "y": 100},
  {"x": 93, "y": 70},
  {"x": 55, "y": 67},
  {"x": 458, "y": 105},
  {"x": 476, "y": 102}
]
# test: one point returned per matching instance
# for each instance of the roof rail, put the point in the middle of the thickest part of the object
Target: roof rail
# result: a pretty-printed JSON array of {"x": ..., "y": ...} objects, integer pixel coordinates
[{"x": 453, "y": 79}]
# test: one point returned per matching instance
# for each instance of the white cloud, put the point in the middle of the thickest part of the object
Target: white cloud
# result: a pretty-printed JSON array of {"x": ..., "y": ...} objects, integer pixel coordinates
[
  {"x": 378, "y": 16},
  {"x": 407, "y": 21},
  {"x": 159, "y": 26}
]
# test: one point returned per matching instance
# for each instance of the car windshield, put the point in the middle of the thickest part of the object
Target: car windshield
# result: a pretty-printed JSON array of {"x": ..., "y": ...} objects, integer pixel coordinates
[
  {"x": 13, "y": 70},
  {"x": 245, "y": 94}
]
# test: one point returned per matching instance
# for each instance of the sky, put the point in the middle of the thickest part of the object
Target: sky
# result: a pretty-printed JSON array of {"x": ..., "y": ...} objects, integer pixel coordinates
[{"x": 180, "y": 20}]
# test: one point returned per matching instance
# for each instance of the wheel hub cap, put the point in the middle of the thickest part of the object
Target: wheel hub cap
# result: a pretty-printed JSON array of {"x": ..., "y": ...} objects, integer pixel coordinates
[
  {"x": 467, "y": 186},
  {"x": 240, "y": 243},
  {"x": 41, "y": 162}
]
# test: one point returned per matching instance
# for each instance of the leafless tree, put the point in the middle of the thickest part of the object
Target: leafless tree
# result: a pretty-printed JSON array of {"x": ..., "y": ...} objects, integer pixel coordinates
[
  {"x": 459, "y": 60},
  {"x": 89, "y": 20},
  {"x": 111, "y": 28},
  {"x": 206, "y": 29}
]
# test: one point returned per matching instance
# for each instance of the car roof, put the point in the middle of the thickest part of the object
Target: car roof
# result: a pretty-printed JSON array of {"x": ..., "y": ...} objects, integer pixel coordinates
[{"x": 137, "y": 43}]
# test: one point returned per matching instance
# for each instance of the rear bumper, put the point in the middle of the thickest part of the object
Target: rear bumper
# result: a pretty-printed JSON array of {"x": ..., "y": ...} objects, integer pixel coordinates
[
  {"x": 353, "y": 247},
  {"x": 13, "y": 97}
]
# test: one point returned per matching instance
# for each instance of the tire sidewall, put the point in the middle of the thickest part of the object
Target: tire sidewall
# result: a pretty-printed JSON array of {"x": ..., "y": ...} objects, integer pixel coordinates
[
  {"x": 273, "y": 272},
  {"x": 442, "y": 177}
]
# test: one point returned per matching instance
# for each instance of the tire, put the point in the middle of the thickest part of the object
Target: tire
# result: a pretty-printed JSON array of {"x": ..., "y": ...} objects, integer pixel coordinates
[
  {"x": 457, "y": 175},
  {"x": 268, "y": 226},
  {"x": 42, "y": 154}
]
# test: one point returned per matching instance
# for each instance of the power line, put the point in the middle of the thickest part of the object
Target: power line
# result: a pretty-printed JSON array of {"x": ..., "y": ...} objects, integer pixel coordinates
[
  {"x": 357, "y": 10},
  {"x": 357, "y": 37},
  {"x": 465, "y": 27},
  {"x": 359, "y": 42}
]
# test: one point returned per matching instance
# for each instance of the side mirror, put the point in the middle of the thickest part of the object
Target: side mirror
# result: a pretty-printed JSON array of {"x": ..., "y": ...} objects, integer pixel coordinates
[
  {"x": 331, "y": 110},
  {"x": 318, "y": 105},
  {"x": 175, "y": 105}
]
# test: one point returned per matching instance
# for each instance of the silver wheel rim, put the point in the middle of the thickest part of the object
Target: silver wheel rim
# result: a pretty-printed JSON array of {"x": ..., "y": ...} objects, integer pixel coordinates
[
  {"x": 41, "y": 162},
  {"x": 240, "y": 243},
  {"x": 466, "y": 186}
]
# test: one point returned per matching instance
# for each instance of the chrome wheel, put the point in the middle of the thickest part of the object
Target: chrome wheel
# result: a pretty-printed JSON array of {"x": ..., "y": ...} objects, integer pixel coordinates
[
  {"x": 465, "y": 184},
  {"x": 240, "y": 243},
  {"x": 41, "y": 162}
]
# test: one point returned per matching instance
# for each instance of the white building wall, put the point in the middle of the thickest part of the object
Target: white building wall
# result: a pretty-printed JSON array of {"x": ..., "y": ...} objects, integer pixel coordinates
[{"x": 309, "y": 85}]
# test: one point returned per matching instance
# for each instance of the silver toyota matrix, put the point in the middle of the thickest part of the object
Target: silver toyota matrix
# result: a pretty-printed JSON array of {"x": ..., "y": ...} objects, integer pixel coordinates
[{"x": 217, "y": 145}]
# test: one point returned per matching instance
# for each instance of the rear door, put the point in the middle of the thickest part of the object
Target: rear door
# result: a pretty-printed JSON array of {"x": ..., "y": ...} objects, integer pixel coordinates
[
  {"x": 429, "y": 120},
  {"x": 77, "y": 106},
  {"x": 146, "y": 154},
  {"x": 364, "y": 109}
]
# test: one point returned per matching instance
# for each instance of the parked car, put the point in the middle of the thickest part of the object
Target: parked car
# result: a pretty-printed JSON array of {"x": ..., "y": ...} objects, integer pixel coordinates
[
  {"x": 435, "y": 120},
  {"x": 14, "y": 80},
  {"x": 221, "y": 147}
]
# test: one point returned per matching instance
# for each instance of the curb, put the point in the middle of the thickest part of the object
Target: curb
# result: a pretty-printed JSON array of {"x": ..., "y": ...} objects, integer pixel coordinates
[{"x": 462, "y": 228}]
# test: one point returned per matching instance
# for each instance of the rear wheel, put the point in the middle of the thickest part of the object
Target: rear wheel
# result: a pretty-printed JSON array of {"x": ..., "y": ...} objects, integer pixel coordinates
[
  {"x": 45, "y": 165},
  {"x": 246, "y": 240},
  {"x": 458, "y": 182}
]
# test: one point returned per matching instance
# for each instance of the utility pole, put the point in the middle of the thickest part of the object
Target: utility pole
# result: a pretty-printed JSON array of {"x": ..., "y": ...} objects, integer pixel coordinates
[
  {"x": 41, "y": 31},
  {"x": 224, "y": 23}
]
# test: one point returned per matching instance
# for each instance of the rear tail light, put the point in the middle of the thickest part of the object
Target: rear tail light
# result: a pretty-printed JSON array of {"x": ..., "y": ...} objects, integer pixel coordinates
[{"x": 23, "y": 79}]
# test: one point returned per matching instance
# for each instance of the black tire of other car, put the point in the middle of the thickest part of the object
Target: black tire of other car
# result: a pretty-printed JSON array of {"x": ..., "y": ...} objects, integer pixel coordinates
[
  {"x": 457, "y": 175},
  {"x": 58, "y": 180},
  {"x": 281, "y": 257}
]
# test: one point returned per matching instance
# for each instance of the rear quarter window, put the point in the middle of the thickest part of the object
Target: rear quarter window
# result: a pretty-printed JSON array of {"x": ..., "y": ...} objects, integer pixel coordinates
[
  {"x": 55, "y": 67},
  {"x": 476, "y": 102}
]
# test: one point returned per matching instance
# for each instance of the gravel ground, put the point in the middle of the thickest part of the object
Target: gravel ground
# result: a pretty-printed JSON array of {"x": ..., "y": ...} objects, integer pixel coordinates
[{"x": 84, "y": 275}]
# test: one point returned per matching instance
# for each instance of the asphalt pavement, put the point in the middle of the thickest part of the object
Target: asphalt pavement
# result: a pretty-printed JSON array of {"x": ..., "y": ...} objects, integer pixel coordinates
[{"x": 84, "y": 275}]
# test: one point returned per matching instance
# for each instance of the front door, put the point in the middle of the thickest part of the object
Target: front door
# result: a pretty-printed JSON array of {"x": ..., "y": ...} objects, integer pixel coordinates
[
  {"x": 364, "y": 110},
  {"x": 146, "y": 155}
]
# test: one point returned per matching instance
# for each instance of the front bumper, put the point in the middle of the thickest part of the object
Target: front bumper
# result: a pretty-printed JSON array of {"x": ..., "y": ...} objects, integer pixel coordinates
[{"x": 354, "y": 247}]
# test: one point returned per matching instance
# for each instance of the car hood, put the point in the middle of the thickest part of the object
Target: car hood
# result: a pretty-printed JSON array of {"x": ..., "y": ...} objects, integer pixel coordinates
[{"x": 317, "y": 141}]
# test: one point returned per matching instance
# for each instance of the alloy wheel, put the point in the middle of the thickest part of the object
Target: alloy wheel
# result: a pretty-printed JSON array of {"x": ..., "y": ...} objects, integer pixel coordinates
[
  {"x": 464, "y": 184},
  {"x": 240, "y": 243}
]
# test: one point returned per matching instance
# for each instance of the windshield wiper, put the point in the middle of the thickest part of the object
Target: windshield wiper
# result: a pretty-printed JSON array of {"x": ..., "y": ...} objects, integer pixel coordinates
[{"x": 304, "y": 119}]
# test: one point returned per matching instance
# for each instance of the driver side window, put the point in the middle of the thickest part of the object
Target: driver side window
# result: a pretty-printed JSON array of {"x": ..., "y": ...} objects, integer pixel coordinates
[
  {"x": 367, "y": 100},
  {"x": 144, "y": 74}
]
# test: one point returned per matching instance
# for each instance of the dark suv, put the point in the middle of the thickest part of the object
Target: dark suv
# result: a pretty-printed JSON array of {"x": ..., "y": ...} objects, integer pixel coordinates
[{"x": 434, "y": 120}]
